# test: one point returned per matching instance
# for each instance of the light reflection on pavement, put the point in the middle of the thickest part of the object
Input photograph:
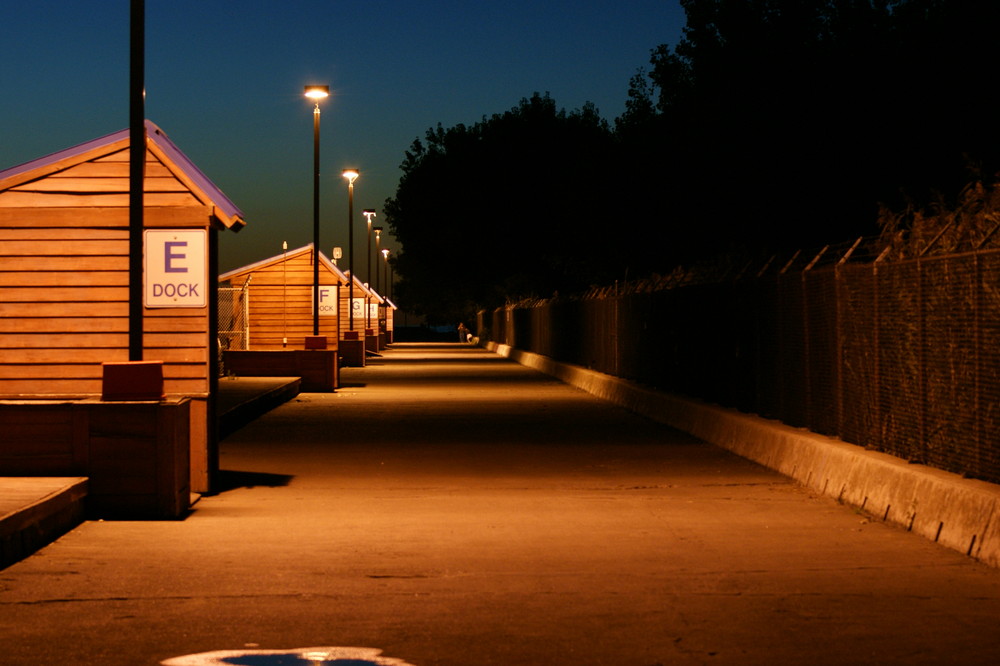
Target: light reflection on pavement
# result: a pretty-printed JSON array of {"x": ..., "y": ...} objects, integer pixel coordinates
[{"x": 312, "y": 656}]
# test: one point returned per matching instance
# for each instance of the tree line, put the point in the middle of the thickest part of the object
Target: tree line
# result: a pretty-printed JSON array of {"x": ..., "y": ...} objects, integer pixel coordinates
[{"x": 771, "y": 125}]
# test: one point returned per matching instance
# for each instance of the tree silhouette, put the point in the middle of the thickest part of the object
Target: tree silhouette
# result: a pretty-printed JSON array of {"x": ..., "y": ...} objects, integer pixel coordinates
[
  {"x": 771, "y": 125},
  {"x": 784, "y": 124},
  {"x": 511, "y": 207}
]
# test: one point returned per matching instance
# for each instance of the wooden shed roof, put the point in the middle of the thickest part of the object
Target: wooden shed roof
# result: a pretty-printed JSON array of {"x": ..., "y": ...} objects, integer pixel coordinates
[
  {"x": 204, "y": 189},
  {"x": 284, "y": 256},
  {"x": 365, "y": 289}
]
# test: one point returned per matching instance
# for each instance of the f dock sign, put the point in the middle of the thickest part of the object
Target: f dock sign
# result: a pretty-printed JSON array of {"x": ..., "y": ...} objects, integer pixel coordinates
[{"x": 176, "y": 268}]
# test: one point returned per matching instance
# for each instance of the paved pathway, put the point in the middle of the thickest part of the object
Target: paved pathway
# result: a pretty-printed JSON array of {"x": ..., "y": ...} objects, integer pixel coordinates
[{"x": 450, "y": 507}]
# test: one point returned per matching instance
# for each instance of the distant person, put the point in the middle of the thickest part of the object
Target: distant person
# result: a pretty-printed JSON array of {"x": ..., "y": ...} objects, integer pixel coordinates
[{"x": 463, "y": 333}]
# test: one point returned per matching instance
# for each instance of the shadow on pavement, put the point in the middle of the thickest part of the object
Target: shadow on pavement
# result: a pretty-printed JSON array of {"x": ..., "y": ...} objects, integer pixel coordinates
[
  {"x": 232, "y": 479},
  {"x": 457, "y": 359}
]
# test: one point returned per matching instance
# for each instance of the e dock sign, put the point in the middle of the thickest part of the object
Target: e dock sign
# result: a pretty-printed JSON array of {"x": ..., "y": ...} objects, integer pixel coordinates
[{"x": 176, "y": 268}]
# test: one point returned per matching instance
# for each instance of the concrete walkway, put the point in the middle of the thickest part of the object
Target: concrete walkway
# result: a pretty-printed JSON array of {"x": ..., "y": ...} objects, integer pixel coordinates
[
  {"x": 449, "y": 506},
  {"x": 957, "y": 512}
]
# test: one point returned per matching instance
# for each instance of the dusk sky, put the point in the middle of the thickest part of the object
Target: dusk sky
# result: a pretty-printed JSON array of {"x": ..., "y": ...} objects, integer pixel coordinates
[{"x": 224, "y": 80}]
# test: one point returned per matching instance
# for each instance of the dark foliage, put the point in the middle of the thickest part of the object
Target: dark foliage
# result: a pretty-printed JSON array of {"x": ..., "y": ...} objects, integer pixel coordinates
[
  {"x": 770, "y": 125},
  {"x": 512, "y": 206},
  {"x": 787, "y": 124}
]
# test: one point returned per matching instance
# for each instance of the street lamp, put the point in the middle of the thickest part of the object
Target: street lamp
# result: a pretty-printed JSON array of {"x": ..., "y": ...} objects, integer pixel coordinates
[
  {"x": 316, "y": 93},
  {"x": 378, "y": 251},
  {"x": 388, "y": 284},
  {"x": 369, "y": 213},
  {"x": 378, "y": 272},
  {"x": 351, "y": 175}
]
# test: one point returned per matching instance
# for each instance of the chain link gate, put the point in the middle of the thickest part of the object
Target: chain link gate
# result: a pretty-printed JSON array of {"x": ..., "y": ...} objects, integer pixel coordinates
[{"x": 234, "y": 320}]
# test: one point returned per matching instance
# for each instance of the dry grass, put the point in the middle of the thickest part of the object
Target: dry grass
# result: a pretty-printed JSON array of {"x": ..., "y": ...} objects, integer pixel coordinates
[{"x": 972, "y": 223}]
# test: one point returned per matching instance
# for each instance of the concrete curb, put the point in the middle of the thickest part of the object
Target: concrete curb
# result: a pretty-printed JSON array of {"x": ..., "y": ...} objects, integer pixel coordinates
[{"x": 962, "y": 514}]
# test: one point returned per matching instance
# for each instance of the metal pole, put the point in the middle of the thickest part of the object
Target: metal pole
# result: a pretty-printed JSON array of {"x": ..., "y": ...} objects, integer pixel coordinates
[
  {"x": 368, "y": 273},
  {"x": 378, "y": 269},
  {"x": 350, "y": 253},
  {"x": 137, "y": 163},
  {"x": 315, "y": 257},
  {"x": 284, "y": 294}
]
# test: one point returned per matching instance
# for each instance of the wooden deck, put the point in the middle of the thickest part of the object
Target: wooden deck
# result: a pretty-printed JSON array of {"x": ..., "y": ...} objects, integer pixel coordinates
[{"x": 36, "y": 510}]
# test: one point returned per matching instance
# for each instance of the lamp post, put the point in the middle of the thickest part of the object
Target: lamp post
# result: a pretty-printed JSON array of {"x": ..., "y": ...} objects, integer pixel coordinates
[
  {"x": 137, "y": 162},
  {"x": 351, "y": 175},
  {"x": 316, "y": 93},
  {"x": 369, "y": 213},
  {"x": 385, "y": 255},
  {"x": 378, "y": 252},
  {"x": 378, "y": 272}
]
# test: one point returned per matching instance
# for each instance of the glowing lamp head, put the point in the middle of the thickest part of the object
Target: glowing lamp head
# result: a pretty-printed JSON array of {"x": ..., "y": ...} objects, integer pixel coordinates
[
  {"x": 316, "y": 93},
  {"x": 350, "y": 175},
  {"x": 385, "y": 254}
]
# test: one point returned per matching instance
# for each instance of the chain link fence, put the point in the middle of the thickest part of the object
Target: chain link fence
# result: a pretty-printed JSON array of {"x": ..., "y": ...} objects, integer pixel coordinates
[
  {"x": 234, "y": 319},
  {"x": 901, "y": 357}
]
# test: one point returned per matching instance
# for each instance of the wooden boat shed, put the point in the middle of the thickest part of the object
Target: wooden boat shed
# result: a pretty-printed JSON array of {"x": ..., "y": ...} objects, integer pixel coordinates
[
  {"x": 277, "y": 294},
  {"x": 64, "y": 226},
  {"x": 364, "y": 297},
  {"x": 279, "y": 301},
  {"x": 387, "y": 320}
]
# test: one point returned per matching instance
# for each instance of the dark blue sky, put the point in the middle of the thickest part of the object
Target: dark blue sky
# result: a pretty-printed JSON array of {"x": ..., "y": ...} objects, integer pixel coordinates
[{"x": 224, "y": 80}]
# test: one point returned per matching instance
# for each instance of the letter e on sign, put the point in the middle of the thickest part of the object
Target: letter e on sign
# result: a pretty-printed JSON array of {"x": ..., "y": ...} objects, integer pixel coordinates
[{"x": 176, "y": 268}]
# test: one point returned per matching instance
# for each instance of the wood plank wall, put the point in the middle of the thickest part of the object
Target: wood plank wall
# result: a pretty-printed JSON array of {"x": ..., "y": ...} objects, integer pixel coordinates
[
  {"x": 281, "y": 303},
  {"x": 64, "y": 281}
]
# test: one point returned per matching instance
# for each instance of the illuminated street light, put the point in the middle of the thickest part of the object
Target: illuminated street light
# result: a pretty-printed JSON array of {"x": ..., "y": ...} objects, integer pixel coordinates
[
  {"x": 316, "y": 93},
  {"x": 351, "y": 175}
]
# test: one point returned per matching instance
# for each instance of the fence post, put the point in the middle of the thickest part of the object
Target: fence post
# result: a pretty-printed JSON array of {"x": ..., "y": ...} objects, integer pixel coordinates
[
  {"x": 977, "y": 387},
  {"x": 922, "y": 362},
  {"x": 245, "y": 300},
  {"x": 877, "y": 361},
  {"x": 838, "y": 336},
  {"x": 616, "y": 353},
  {"x": 806, "y": 335}
]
